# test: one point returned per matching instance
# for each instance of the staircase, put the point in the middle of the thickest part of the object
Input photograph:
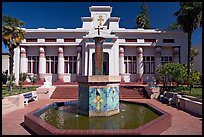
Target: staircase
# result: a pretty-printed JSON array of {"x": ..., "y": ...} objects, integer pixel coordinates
[
  {"x": 126, "y": 92},
  {"x": 130, "y": 92},
  {"x": 65, "y": 92}
]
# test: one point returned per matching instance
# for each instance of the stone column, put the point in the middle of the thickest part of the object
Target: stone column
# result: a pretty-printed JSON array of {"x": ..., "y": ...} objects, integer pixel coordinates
[
  {"x": 60, "y": 65},
  {"x": 176, "y": 54},
  {"x": 157, "y": 59},
  {"x": 121, "y": 63},
  {"x": 78, "y": 59},
  {"x": 24, "y": 61},
  {"x": 16, "y": 64},
  {"x": 140, "y": 67},
  {"x": 157, "y": 56},
  {"x": 42, "y": 64}
]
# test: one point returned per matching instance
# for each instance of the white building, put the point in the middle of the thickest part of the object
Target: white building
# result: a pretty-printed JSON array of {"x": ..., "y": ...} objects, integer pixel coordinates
[
  {"x": 61, "y": 54},
  {"x": 197, "y": 61},
  {"x": 5, "y": 62}
]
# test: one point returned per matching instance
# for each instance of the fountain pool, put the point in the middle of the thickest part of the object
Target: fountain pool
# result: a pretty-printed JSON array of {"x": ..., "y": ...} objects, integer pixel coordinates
[{"x": 64, "y": 118}]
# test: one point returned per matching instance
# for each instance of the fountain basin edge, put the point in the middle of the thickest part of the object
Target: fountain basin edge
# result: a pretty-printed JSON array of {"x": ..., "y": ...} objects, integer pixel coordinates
[{"x": 154, "y": 127}]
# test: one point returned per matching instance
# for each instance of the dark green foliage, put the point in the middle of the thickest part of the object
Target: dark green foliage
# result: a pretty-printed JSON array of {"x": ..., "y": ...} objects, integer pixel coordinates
[
  {"x": 189, "y": 18},
  {"x": 4, "y": 76},
  {"x": 12, "y": 36},
  {"x": 16, "y": 91},
  {"x": 142, "y": 19},
  {"x": 33, "y": 78},
  {"x": 22, "y": 78},
  {"x": 11, "y": 81},
  {"x": 174, "y": 26},
  {"x": 173, "y": 72}
]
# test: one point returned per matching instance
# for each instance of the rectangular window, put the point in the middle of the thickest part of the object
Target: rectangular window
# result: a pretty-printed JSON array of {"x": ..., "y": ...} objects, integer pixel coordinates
[
  {"x": 51, "y": 64},
  {"x": 148, "y": 63},
  {"x": 166, "y": 59},
  {"x": 150, "y": 40},
  {"x": 47, "y": 67},
  {"x": 70, "y": 63},
  {"x": 147, "y": 68},
  {"x": 168, "y": 40},
  {"x": 29, "y": 66},
  {"x": 130, "y": 64},
  {"x": 50, "y": 40},
  {"x": 130, "y": 40},
  {"x": 33, "y": 64},
  {"x": 69, "y": 40},
  {"x": 31, "y": 40}
]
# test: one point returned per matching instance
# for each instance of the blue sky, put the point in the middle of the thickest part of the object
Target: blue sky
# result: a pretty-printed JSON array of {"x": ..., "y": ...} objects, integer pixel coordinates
[{"x": 68, "y": 14}]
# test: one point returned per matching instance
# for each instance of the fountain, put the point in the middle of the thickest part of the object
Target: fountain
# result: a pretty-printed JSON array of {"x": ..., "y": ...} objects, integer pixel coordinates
[
  {"x": 98, "y": 111},
  {"x": 98, "y": 94}
]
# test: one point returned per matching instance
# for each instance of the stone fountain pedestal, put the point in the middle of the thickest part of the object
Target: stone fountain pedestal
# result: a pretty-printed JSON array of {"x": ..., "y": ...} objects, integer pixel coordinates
[{"x": 98, "y": 95}]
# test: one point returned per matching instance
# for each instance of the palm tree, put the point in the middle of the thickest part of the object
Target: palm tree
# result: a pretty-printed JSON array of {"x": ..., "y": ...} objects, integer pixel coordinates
[
  {"x": 142, "y": 19},
  {"x": 189, "y": 17},
  {"x": 12, "y": 36}
]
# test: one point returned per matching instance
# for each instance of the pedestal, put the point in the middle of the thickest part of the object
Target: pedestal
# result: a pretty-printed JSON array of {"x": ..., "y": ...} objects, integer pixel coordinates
[{"x": 98, "y": 95}]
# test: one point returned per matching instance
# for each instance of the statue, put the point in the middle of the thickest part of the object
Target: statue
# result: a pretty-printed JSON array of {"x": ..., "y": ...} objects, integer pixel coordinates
[{"x": 46, "y": 83}]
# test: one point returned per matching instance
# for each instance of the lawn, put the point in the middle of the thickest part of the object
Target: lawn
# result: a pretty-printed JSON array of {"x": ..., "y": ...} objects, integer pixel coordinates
[
  {"x": 16, "y": 91},
  {"x": 195, "y": 92}
]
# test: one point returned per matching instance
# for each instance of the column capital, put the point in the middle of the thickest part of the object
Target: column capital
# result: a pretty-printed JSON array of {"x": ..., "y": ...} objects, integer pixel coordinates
[
  {"x": 60, "y": 52},
  {"x": 121, "y": 51},
  {"x": 79, "y": 48},
  {"x": 23, "y": 52},
  {"x": 42, "y": 52},
  {"x": 176, "y": 50},
  {"x": 158, "y": 51},
  {"x": 139, "y": 50}
]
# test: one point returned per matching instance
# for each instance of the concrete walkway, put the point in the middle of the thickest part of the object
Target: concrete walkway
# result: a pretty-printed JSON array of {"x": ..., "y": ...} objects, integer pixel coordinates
[{"x": 182, "y": 123}]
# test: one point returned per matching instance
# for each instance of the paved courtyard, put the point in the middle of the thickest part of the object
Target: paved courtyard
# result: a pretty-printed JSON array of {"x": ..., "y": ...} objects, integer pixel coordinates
[{"x": 182, "y": 123}]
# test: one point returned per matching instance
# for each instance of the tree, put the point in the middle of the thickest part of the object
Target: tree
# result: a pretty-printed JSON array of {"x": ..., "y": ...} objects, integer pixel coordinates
[
  {"x": 142, "y": 19},
  {"x": 174, "y": 72},
  {"x": 174, "y": 26},
  {"x": 12, "y": 36},
  {"x": 189, "y": 17},
  {"x": 10, "y": 81}
]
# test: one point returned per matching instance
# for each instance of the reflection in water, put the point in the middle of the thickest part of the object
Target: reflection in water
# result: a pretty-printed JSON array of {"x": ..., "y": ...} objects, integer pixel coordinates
[{"x": 131, "y": 116}]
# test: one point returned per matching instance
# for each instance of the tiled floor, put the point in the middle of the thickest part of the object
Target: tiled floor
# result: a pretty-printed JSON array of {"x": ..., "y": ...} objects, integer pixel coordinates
[{"x": 182, "y": 122}]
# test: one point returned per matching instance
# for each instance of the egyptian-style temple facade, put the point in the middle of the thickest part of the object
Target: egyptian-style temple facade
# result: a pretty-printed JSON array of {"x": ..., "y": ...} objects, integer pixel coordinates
[{"x": 134, "y": 54}]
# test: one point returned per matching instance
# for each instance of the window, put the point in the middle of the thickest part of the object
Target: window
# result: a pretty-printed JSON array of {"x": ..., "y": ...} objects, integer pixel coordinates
[
  {"x": 130, "y": 40},
  {"x": 166, "y": 59},
  {"x": 51, "y": 64},
  {"x": 168, "y": 40},
  {"x": 150, "y": 40},
  {"x": 31, "y": 40},
  {"x": 130, "y": 64},
  {"x": 70, "y": 64},
  {"x": 33, "y": 64},
  {"x": 148, "y": 62},
  {"x": 50, "y": 40},
  {"x": 69, "y": 40}
]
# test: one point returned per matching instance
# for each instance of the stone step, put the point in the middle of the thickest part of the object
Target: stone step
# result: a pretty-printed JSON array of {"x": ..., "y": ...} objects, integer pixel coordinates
[{"x": 71, "y": 92}]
